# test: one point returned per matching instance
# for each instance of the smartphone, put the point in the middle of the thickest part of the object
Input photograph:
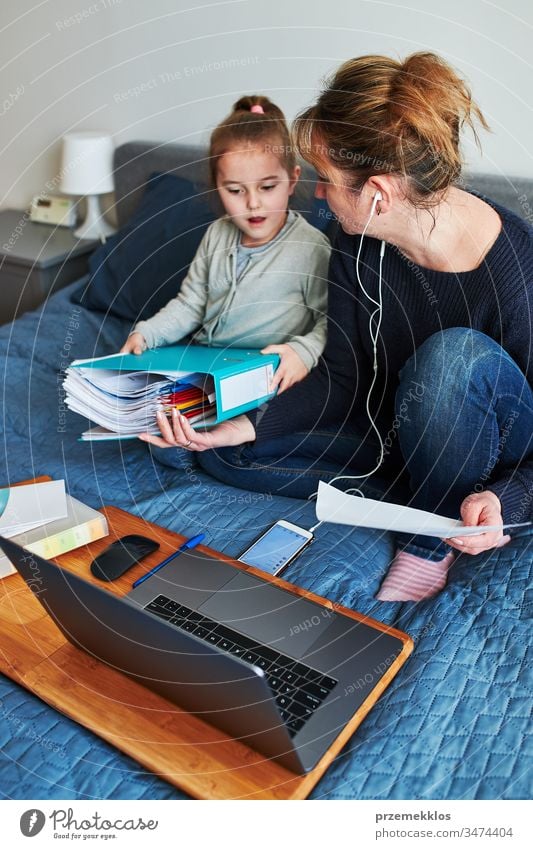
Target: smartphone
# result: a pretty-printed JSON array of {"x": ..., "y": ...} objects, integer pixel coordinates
[{"x": 277, "y": 547}]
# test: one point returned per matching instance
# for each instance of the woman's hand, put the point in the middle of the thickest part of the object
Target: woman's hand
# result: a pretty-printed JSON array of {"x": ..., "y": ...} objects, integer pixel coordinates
[
  {"x": 179, "y": 434},
  {"x": 134, "y": 344},
  {"x": 480, "y": 508},
  {"x": 291, "y": 369}
]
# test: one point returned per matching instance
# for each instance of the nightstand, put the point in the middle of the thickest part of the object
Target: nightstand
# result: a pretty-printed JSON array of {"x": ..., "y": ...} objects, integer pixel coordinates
[{"x": 36, "y": 260}]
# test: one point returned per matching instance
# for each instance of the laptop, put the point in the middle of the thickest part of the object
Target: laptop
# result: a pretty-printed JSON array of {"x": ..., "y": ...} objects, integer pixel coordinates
[{"x": 273, "y": 670}]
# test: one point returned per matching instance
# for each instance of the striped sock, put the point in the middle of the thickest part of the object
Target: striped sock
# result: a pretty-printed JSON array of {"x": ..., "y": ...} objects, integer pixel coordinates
[{"x": 413, "y": 578}]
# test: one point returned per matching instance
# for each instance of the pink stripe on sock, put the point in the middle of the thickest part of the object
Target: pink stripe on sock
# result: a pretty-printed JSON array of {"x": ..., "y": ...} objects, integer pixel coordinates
[{"x": 412, "y": 578}]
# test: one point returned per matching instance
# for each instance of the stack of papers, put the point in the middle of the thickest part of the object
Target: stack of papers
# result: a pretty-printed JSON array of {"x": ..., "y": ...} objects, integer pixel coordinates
[
  {"x": 25, "y": 507},
  {"x": 125, "y": 403},
  {"x": 80, "y": 525},
  {"x": 123, "y": 392}
]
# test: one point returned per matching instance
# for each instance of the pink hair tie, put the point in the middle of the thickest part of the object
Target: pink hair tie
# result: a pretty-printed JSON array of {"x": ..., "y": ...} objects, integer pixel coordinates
[{"x": 257, "y": 108}]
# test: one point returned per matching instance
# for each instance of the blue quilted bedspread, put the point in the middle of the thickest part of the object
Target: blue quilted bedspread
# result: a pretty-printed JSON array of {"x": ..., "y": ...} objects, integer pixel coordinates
[{"x": 454, "y": 723}]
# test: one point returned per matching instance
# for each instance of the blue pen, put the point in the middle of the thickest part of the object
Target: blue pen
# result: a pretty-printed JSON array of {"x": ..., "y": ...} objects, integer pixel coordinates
[{"x": 190, "y": 543}]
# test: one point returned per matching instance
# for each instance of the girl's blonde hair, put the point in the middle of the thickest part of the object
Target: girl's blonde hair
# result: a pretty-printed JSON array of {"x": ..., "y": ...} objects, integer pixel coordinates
[
  {"x": 381, "y": 116},
  {"x": 244, "y": 127}
]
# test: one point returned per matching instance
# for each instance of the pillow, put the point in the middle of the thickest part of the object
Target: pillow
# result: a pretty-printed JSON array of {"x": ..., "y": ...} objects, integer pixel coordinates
[{"x": 140, "y": 268}]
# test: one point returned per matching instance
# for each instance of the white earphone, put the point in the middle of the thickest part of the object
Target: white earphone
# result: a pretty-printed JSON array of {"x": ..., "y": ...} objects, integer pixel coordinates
[
  {"x": 374, "y": 325},
  {"x": 375, "y": 200}
]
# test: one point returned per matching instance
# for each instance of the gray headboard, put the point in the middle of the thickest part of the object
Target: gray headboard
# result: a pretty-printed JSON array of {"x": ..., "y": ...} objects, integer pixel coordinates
[{"x": 135, "y": 161}]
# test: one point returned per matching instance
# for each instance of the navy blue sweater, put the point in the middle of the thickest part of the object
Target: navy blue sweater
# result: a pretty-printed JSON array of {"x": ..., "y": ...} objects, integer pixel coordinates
[{"x": 495, "y": 298}]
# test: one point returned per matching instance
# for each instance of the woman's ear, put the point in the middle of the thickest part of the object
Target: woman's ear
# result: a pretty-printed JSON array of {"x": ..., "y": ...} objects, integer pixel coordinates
[
  {"x": 294, "y": 177},
  {"x": 383, "y": 187}
]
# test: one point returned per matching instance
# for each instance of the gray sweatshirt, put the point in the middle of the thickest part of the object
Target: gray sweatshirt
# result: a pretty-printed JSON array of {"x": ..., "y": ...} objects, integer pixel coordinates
[{"x": 280, "y": 296}]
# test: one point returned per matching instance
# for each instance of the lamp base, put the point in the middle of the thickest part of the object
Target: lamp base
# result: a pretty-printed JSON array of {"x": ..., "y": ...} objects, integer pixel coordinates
[{"x": 95, "y": 226}]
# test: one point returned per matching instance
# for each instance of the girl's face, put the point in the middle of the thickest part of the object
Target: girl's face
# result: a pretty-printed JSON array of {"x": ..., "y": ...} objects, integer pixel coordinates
[{"x": 255, "y": 189}]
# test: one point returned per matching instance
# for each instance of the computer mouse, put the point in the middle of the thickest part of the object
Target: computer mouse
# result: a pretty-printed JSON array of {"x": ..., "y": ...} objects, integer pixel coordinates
[{"x": 121, "y": 555}]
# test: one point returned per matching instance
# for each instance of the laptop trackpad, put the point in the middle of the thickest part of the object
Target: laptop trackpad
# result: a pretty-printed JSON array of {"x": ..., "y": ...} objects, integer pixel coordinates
[
  {"x": 190, "y": 580},
  {"x": 268, "y": 614}
]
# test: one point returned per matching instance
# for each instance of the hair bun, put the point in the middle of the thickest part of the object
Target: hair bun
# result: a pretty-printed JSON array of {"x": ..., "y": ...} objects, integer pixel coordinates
[
  {"x": 245, "y": 103},
  {"x": 378, "y": 115}
]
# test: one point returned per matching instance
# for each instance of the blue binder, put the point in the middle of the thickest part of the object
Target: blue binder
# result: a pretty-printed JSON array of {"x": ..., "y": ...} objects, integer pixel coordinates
[{"x": 241, "y": 376}]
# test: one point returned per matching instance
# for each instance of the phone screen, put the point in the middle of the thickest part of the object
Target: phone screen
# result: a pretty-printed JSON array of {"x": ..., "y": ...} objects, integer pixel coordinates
[{"x": 273, "y": 550}]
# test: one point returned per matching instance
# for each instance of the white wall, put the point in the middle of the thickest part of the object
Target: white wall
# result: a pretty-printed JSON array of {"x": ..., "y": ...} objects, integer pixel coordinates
[{"x": 170, "y": 69}]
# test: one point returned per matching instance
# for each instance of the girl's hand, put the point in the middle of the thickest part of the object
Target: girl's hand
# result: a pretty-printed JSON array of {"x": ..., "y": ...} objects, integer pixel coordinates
[
  {"x": 291, "y": 369},
  {"x": 480, "y": 508},
  {"x": 134, "y": 344},
  {"x": 179, "y": 434}
]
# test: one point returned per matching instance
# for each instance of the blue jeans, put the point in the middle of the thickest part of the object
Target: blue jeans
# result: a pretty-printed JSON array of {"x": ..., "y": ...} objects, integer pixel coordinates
[
  {"x": 292, "y": 465},
  {"x": 464, "y": 410},
  {"x": 474, "y": 419}
]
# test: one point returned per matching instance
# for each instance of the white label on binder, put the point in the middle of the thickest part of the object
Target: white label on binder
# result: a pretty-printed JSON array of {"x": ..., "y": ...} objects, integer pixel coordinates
[{"x": 243, "y": 388}]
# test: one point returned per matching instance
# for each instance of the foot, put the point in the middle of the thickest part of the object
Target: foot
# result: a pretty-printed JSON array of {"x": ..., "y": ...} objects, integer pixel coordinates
[{"x": 413, "y": 578}]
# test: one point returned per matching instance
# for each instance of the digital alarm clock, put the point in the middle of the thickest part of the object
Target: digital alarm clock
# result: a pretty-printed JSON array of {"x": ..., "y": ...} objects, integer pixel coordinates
[{"x": 53, "y": 210}]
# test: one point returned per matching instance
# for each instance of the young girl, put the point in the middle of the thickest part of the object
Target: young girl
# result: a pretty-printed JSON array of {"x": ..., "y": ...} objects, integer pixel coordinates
[{"x": 259, "y": 277}]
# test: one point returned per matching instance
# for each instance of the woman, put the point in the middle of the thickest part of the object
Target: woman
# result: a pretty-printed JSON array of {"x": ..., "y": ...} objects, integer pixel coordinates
[{"x": 428, "y": 368}]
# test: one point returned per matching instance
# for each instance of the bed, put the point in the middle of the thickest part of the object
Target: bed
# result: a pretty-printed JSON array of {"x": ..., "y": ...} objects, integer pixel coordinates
[{"x": 454, "y": 723}]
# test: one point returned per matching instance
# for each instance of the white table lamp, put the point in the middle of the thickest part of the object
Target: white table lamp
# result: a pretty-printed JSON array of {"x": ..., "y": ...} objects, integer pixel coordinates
[{"x": 87, "y": 169}]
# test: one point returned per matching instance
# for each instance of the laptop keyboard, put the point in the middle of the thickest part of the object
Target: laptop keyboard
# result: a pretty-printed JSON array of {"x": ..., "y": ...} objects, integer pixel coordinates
[{"x": 299, "y": 690}]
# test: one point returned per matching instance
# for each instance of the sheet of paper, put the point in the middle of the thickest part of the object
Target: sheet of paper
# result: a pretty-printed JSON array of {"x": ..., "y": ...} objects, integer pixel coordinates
[
  {"x": 25, "y": 507},
  {"x": 333, "y": 505},
  {"x": 92, "y": 359}
]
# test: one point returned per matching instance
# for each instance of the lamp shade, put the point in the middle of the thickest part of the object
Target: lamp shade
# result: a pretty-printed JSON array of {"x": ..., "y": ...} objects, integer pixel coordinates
[{"x": 87, "y": 164}]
